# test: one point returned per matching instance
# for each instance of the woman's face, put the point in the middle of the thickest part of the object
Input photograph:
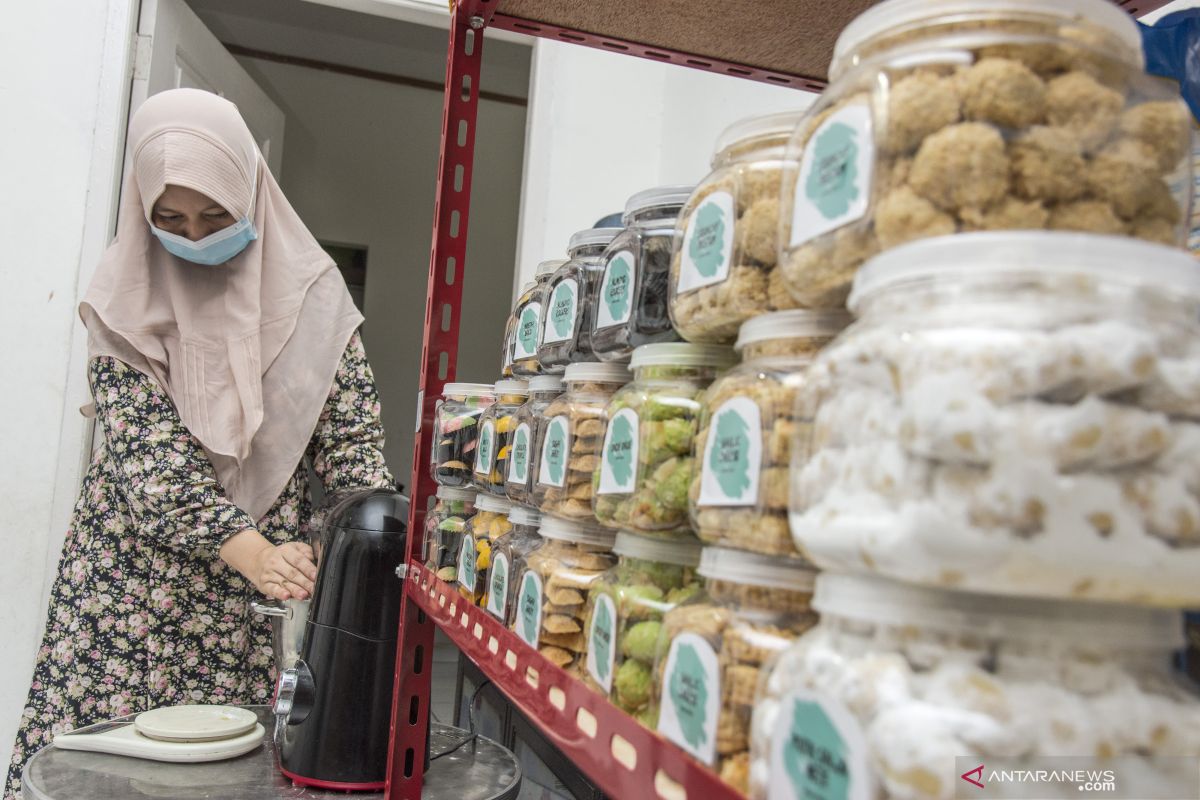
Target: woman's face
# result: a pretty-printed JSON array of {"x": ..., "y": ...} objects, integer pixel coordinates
[{"x": 188, "y": 213}]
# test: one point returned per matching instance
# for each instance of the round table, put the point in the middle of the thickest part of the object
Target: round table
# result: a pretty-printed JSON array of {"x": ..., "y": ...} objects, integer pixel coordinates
[{"x": 480, "y": 771}]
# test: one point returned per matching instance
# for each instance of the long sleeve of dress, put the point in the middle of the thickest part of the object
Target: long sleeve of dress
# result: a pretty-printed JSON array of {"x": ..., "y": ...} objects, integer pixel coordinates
[
  {"x": 346, "y": 448},
  {"x": 168, "y": 479}
]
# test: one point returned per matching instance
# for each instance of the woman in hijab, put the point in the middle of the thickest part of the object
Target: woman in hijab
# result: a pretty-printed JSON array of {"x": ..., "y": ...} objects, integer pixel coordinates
[{"x": 224, "y": 358}]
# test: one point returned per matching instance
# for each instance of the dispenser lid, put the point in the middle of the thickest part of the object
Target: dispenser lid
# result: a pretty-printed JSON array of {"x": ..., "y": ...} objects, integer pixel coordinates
[{"x": 384, "y": 510}]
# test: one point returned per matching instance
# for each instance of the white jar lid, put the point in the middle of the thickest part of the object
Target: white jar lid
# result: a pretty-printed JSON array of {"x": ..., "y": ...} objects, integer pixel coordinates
[
  {"x": 512, "y": 386},
  {"x": 754, "y": 569},
  {"x": 454, "y": 493},
  {"x": 780, "y": 124},
  {"x": 879, "y": 600},
  {"x": 597, "y": 371},
  {"x": 906, "y": 14},
  {"x": 497, "y": 505},
  {"x": 468, "y": 390},
  {"x": 1028, "y": 254},
  {"x": 546, "y": 383},
  {"x": 681, "y": 552},
  {"x": 791, "y": 325},
  {"x": 682, "y": 354},
  {"x": 569, "y": 530},
  {"x": 592, "y": 236},
  {"x": 548, "y": 267},
  {"x": 674, "y": 195},
  {"x": 524, "y": 515}
]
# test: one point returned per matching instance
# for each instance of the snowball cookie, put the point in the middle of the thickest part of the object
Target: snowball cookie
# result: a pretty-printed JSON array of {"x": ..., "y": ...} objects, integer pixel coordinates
[
  {"x": 1004, "y": 92},
  {"x": 1163, "y": 126},
  {"x": 918, "y": 105},
  {"x": 903, "y": 215},
  {"x": 1010, "y": 214},
  {"x": 1093, "y": 216},
  {"x": 961, "y": 165},
  {"x": 1047, "y": 165},
  {"x": 1154, "y": 230},
  {"x": 758, "y": 231},
  {"x": 1083, "y": 105},
  {"x": 1124, "y": 174}
]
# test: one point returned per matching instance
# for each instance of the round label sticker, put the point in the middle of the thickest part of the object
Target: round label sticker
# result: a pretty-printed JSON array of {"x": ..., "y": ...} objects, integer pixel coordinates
[
  {"x": 601, "y": 641},
  {"x": 818, "y": 752},
  {"x": 485, "y": 448},
  {"x": 497, "y": 604},
  {"x": 834, "y": 183},
  {"x": 552, "y": 470},
  {"x": 707, "y": 243},
  {"x": 563, "y": 307},
  {"x": 616, "y": 290},
  {"x": 529, "y": 608},
  {"x": 732, "y": 455},
  {"x": 525, "y": 343},
  {"x": 518, "y": 464},
  {"x": 619, "y": 458}
]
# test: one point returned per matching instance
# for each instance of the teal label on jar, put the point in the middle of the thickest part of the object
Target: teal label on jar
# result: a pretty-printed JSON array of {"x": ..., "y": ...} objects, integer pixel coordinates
[
  {"x": 691, "y": 698},
  {"x": 497, "y": 602},
  {"x": 529, "y": 608},
  {"x": 818, "y": 752},
  {"x": 525, "y": 343},
  {"x": 834, "y": 184},
  {"x": 563, "y": 308},
  {"x": 518, "y": 462},
  {"x": 601, "y": 638},
  {"x": 556, "y": 447},
  {"x": 466, "y": 564},
  {"x": 616, "y": 289},
  {"x": 707, "y": 243},
  {"x": 485, "y": 448},
  {"x": 619, "y": 458},
  {"x": 732, "y": 455}
]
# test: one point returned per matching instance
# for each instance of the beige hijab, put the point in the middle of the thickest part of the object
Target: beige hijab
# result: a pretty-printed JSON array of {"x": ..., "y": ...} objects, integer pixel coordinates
[{"x": 246, "y": 350}]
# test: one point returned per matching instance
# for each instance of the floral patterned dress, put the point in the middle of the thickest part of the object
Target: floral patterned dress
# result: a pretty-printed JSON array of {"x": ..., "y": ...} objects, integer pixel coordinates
[{"x": 143, "y": 612}]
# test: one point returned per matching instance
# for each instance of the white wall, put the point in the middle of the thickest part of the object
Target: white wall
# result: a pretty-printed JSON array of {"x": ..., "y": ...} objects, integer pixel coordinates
[{"x": 65, "y": 79}]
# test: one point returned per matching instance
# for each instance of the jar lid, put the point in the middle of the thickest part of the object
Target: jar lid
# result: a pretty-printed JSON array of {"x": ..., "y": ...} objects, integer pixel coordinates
[
  {"x": 598, "y": 371},
  {"x": 524, "y": 515},
  {"x": 590, "y": 237},
  {"x": 498, "y": 505},
  {"x": 454, "y": 493},
  {"x": 546, "y": 383},
  {"x": 673, "y": 195},
  {"x": 1028, "y": 254},
  {"x": 790, "y": 325},
  {"x": 682, "y": 354},
  {"x": 512, "y": 386},
  {"x": 905, "y": 14},
  {"x": 875, "y": 599},
  {"x": 780, "y": 125},
  {"x": 548, "y": 267},
  {"x": 681, "y": 552},
  {"x": 569, "y": 530},
  {"x": 468, "y": 389},
  {"x": 753, "y": 569}
]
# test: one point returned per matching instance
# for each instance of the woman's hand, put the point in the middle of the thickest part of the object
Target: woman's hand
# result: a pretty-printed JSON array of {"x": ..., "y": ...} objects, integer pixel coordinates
[{"x": 282, "y": 572}]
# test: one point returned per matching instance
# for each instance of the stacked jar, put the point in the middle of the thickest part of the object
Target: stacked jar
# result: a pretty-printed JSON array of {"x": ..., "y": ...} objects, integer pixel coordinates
[
  {"x": 456, "y": 431},
  {"x": 739, "y": 497},
  {"x": 526, "y": 321},
  {"x": 567, "y": 301},
  {"x": 496, "y": 430},
  {"x": 508, "y": 554},
  {"x": 444, "y": 527},
  {"x": 646, "y": 465},
  {"x": 528, "y": 423},
  {"x": 630, "y": 306},
  {"x": 489, "y": 523},
  {"x": 723, "y": 270},
  {"x": 569, "y": 443}
]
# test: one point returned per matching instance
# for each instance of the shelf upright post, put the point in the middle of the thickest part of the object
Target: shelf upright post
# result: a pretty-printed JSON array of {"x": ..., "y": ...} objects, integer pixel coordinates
[{"x": 439, "y": 355}]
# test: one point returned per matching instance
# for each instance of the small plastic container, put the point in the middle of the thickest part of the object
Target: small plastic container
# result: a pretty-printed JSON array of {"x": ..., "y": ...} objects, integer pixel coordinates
[
  {"x": 897, "y": 681},
  {"x": 475, "y": 553},
  {"x": 713, "y": 647},
  {"x": 444, "y": 527},
  {"x": 527, "y": 321},
  {"x": 646, "y": 464},
  {"x": 739, "y": 497},
  {"x": 551, "y": 608},
  {"x": 630, "y": 307},
  {"x": 508, "y": 554},
  {"x": 567, "y": 319},
  {"x": 528, "y": 423},
  {"x": 496, "y": 429},
  {"x": 1013, "y": 413},
  {"x": 456, "y": 431},
  {"x": 723, "y": 270},
  {"x": 569, "y": 442},
  {"x": 945, "y": 117},
  {"x": 625, "y": 611},
  {"x": 509, "y": 341}
]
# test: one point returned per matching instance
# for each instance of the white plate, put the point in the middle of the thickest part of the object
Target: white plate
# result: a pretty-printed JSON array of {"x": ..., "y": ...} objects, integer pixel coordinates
[{"x": 194, "y": 723}]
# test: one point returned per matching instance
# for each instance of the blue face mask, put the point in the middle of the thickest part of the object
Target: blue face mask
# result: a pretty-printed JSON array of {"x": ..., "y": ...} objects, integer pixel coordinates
[{"x": 216, "y": 248}]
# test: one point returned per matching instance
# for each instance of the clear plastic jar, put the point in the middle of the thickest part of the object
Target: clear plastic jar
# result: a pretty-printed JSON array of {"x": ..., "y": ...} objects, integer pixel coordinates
[
  {"x": 508, "y": 554},
  {"x": 625, "y": 610},
  {"x": 509, "y": 341},
  {"x": 528, "y": 423},
  {"x": 945, "y": 117},
  {"x": 527, "y": 321},
  {"x": 496, "y": 428},
  {"x": 723, "y": 268},
  {"x": 444, "y": 528},
  {"x": 569, "y": 441},
  {"x": 552, "y": 599},
  {"x": 630, "y": 307},
  {"x": 475, "y": 553},
  {"x": 456, "y": 431},
  {"x": 646, "y": 463},
  {"x": 739, "y": 496},
  {"x": 713, "y": 647},
  {"x": 567, "y": 323},
  {"x": 1013, "y": 413},
  {"x": 897, "y": 681}
]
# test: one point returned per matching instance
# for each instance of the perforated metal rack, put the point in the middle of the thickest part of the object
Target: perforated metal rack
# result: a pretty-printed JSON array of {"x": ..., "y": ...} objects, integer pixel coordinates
[{"x": 782, "y": 42}]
